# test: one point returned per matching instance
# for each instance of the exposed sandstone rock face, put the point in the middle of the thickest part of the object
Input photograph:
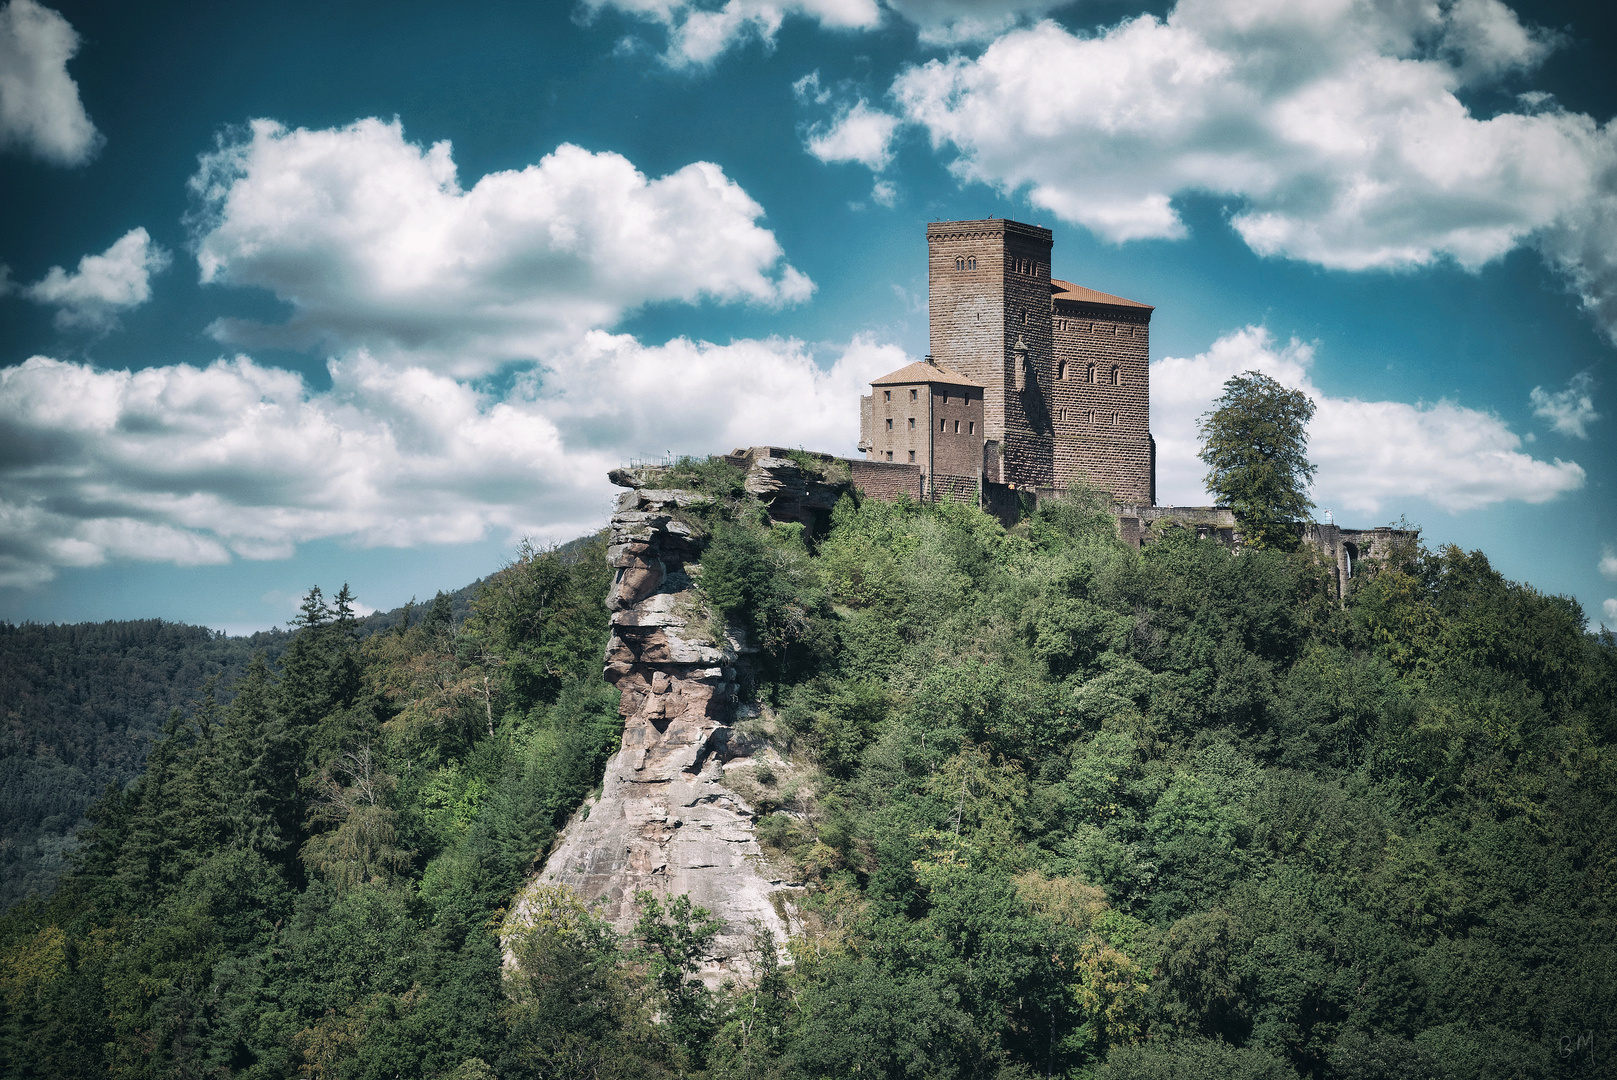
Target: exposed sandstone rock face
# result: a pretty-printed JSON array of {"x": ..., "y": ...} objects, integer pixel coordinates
[{"x": 665, "y": 820}]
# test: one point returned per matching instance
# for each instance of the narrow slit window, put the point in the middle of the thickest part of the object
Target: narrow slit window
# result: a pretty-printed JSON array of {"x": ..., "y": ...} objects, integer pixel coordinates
[
  {"x": 912, "y": 423},
  {"x": 957, "y": 427},
  {"x": 1089, "y": 374},
  {"x": 912, "y": 455},
  {"x": 971, "y": 427},
  {"x": 887, "y": 395},
  {"x": 1089, "y": 417},
  {"x": 1061, "y": 370},
  {"x": 1115, "y": 377},
  {"x": 913, "y": 395},
  {"x": 889, "y": 423},
  {"x": 943, "y": 427}
]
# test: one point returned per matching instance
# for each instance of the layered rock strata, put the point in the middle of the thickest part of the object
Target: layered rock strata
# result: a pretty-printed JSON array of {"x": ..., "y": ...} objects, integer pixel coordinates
[{"x": 666, "y": 821}]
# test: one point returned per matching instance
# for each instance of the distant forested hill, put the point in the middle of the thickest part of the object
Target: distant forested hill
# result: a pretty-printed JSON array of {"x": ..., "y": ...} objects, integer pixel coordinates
[{"x": 81, "y": 705}]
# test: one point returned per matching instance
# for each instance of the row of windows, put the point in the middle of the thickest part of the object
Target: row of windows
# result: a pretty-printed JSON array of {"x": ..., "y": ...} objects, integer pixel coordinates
[
  {"x": 912, "y": 456},
  {"x": 943, "y": 426},
  {"x": 1016, "y": 266},
  {"x": 1087, "y": 373},
  {"x": 1120, "y": 329},
  {"x": 1087, "y": 416},
  {"x": 887, "y": 395}
]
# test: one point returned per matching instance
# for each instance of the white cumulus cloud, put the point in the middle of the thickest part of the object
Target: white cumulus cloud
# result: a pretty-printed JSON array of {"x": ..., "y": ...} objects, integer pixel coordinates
[
  {"x": 1608, "y": 562},
  {"x": 957, "y": 22},
  {"x": 1371, "y": 455},
  {"x": 700, "y": 32},
  {"x": 1334, "y": 129},
  {"x": 40, "y": 110},
  {"x": 857, "y": 133},
  {"x": 1609, "y": 609},
  {"x": 1569, "y": 411},
  {"x": 374, "y": 244},
  {"x": 237, "y": 460},
  {"x": 116, "y": 280}
]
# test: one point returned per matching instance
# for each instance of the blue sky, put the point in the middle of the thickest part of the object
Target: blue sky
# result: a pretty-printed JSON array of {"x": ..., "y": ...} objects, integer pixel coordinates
[{"x": 309, "y": 294}]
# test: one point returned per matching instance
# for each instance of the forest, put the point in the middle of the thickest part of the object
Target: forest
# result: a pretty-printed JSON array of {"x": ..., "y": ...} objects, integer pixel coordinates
[
  {"x": 1063, "y": 808},
  {"x": 82, "y": 704}
]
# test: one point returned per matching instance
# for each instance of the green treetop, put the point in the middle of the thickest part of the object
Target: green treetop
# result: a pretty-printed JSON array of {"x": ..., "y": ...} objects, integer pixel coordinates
[{"x": 1255, "y": 445}]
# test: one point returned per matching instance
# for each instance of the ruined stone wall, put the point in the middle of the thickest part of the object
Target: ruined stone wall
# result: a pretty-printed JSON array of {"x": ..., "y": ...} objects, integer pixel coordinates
[{"x": 886, "y": 481}]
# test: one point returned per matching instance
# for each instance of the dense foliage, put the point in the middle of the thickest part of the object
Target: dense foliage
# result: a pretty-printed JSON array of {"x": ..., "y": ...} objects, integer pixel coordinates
[
  {"x": 301, "y": 882},
  {"x": 1062, "y": 808},
  {"x": 1255, "y": 447}
]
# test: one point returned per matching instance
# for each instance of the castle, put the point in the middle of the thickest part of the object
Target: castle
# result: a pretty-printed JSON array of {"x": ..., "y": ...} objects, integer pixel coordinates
[{"x": 1034, "y": 383}]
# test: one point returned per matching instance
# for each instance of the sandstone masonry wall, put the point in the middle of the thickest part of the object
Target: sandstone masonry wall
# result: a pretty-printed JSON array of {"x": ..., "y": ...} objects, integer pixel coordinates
[{"x": 1102, "y": 428}]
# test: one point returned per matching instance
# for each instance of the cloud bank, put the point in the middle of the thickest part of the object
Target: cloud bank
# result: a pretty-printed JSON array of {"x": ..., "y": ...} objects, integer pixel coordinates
[
  {"x": 700, "y": 33},
  {"x": 1370, "y": 454},
  {"x": 375, "y": 245},
  {"x": 237, "y": 460},
  {"x": 1335, "y": 130},
  {"x": 40, "y": 110},
  {"x": 117, "y": 280}
]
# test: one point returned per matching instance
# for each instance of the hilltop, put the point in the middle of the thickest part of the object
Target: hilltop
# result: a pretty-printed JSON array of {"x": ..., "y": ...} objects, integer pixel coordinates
[{"x": 1047, "y": 803}]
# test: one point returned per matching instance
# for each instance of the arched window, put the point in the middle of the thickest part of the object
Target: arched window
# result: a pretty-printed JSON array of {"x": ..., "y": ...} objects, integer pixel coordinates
[
  {"x": 1089, "y": 374},
  {"x": 1115, "y": 376},
  {"x": 1061, "y": 370},
  {"x": 959, "y": 262},
  {"x": 971, "y": 262}
]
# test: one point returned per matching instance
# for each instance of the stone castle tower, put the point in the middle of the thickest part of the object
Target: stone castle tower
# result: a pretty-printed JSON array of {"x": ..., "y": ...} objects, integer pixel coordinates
[{"x": 1060, "y": 372}]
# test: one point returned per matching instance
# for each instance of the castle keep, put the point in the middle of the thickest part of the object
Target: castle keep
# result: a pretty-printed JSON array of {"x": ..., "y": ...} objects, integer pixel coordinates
[{"x": 1033, "y": 382}]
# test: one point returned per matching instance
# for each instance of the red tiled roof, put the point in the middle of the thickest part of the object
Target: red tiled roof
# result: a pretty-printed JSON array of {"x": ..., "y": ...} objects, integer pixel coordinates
[
  {"x": 1066, "y": 290},
  {"x": 923, "y": 371}
]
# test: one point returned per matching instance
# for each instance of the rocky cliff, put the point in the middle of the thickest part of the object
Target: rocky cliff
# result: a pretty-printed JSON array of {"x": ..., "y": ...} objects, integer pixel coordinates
[{"x": 666, "y": 819}]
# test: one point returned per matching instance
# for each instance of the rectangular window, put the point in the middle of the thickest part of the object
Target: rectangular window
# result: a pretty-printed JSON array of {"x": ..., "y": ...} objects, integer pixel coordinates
[
  {"x": 943, "y": 426},
  {"x": 889, "y": 423},
  {"x": 1114, "y": 418},
  {"x": 912, "y": 396},
  {"x": 957, "y": 427},
  {"x": 946, "y": 397},
  {"x": 887, "y": 395},
  {"x": 1089, "y": 416},
  {"x": 971, "y": 427},
  {"x": 912, "y": 456},
  {"x": 889, "y": 455},
  {"x": 912, "y": 423}
]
